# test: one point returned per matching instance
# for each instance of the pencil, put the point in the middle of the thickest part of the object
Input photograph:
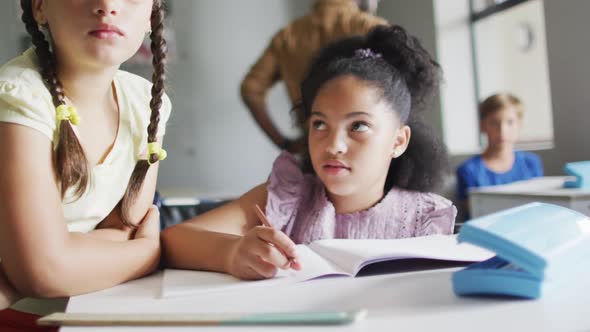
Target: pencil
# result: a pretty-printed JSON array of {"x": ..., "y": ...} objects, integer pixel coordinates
[
  {"x": 196, "y": 319},
  {"x": 262, "y": 216},
  {"x": 266, "y": 223}
]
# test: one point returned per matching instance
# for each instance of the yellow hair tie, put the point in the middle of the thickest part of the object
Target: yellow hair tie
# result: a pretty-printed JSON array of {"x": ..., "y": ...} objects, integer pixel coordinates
[
  {"x": 68, "y": 113},
  {"x": 154, "y": 148}
]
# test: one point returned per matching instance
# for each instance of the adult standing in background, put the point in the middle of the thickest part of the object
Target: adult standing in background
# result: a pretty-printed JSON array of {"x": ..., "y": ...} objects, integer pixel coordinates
[{"x": 291, "y": 51}]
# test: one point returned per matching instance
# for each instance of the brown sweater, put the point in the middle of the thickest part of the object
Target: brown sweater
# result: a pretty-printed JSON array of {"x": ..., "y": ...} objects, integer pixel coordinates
[{"x": 292, "y": 49}]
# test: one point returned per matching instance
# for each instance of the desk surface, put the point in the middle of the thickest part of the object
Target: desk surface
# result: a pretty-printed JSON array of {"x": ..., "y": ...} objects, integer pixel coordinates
[
  {"x": 416, "y": 301},
  {"x": 548, "y": 186},
  {"x": 181, "y": 196},
  {"x": 549, "y": 189}
]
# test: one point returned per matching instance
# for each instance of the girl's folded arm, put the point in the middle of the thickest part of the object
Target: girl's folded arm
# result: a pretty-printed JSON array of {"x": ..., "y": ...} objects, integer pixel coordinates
[
  {"x": 112, "y": 227},
  {"x": 40, "y": 257}
]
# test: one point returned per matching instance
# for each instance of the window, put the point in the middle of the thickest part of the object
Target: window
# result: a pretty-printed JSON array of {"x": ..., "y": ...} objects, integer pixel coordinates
[
  {"x": 489, "y": 46},
  {"x": 510, "y": 55}
]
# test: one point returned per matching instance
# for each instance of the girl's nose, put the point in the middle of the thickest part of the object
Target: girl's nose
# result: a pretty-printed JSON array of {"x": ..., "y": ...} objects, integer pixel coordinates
[
  {"x": 106, "y": 8},
  {"x": 337, "y": 144}
]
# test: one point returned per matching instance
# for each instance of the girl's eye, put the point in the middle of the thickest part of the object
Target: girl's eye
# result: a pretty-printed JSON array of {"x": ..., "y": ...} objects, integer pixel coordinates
[
  {"x": 318, "y": 125},
  {"x": 360, "y": 127}
]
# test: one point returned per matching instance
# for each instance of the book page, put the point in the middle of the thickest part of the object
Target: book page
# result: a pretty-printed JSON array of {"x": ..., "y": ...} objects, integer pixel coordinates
[
  {"x": 352, "y": 255},
  {"x": 187, "y": 282}
]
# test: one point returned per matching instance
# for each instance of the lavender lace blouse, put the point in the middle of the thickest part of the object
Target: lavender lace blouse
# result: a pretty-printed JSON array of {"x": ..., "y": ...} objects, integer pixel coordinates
[{"x": 297, "y": 204}]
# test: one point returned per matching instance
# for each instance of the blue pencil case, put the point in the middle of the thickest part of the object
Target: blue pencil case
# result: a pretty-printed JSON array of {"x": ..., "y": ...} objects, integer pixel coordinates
[
  {"x": 538, "y": 247},
  {"x": 580, "y": 170}
]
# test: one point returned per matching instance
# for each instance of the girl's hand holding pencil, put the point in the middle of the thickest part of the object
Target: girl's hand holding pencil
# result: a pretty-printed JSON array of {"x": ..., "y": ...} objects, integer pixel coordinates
[
  {"x": 292, "y": 261},
  {"x": 261, "y": 252}
]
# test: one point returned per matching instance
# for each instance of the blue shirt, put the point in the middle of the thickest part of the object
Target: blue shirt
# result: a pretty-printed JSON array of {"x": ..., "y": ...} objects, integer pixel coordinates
[{"x": 474, "y": 173}]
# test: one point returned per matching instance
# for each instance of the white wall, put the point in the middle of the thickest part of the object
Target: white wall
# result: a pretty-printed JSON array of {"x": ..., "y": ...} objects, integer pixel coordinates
[
  {"x": 213, "y": 143},
  {"x": 503, "y": 65},
  {"x": 568, "y": 46},
  {"x": 459, "y": 105},
  {"x": 12, "y": 30}
]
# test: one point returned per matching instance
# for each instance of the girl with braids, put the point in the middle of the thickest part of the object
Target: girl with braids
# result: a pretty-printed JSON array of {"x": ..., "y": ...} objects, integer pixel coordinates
[
  {"x": 371, "y": 166},
  {"x": 81, "y": 141}
]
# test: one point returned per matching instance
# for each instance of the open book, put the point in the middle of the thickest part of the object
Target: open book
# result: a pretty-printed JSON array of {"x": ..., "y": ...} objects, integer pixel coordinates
[
  {"x": 539, "y": 246},
  {"x": 335, "y": 257}
]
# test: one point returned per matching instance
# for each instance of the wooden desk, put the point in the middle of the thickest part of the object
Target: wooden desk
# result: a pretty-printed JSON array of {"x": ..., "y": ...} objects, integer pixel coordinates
[
  {"x": 486, "y": 200},
  {"x": 416, "y": 301}
]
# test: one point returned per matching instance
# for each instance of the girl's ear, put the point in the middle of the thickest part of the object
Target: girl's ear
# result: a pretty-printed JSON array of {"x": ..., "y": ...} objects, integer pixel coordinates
[
  {"x": 157, "y": 4},
  {"x": 402, "y": 139},
  {"x": 39, "y": 11},
  {"x": 148, "y": 27}
]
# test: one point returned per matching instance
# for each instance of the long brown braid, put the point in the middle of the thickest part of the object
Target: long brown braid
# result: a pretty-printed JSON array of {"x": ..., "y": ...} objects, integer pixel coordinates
[
  {"x": 70, "y": 162},
  {"x": 158, "y": 47}
]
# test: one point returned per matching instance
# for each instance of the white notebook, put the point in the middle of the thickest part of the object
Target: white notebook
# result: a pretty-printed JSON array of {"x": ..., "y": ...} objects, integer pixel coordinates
[{"x": 334, "y": 257}]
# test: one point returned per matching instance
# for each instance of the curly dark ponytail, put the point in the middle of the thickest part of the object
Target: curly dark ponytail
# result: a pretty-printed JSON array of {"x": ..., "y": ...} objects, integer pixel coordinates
[
  {"x": 407, "y": 77},
  {"x": 406, "y": 55}
]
